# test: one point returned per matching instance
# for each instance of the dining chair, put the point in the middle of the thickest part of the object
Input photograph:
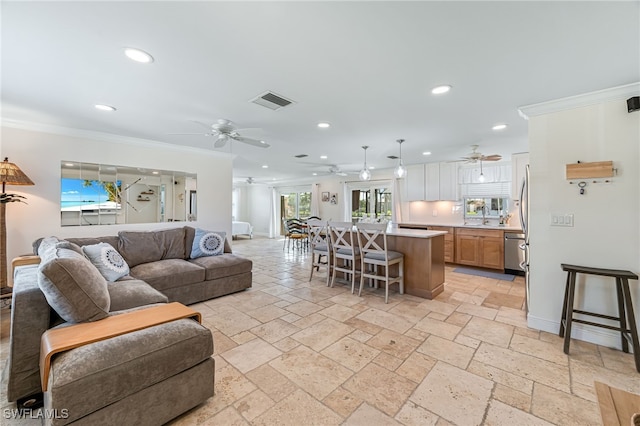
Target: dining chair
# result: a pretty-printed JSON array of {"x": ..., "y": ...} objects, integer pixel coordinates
[
  {"x": 344, "y": 250},
  {"x": 297, "y": 233},
  {"x": 372, "y": 241},
  {"x": 319, "y": 244}
]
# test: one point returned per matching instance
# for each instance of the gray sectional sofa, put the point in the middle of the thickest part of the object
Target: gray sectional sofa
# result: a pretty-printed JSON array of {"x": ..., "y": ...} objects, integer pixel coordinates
[{"x": 145, "y": 377}]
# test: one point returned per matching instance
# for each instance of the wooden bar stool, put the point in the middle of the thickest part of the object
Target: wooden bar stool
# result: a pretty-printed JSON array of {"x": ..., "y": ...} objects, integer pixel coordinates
[{"x": 624, "y": 305}]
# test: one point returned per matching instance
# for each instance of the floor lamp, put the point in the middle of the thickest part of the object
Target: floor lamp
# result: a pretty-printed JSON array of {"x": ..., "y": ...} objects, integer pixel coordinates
[{"x": 10, "y": 174}]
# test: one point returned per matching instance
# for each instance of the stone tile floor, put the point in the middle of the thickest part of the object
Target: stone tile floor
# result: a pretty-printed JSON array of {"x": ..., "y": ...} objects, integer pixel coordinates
[{"x": 294, "y": 352}]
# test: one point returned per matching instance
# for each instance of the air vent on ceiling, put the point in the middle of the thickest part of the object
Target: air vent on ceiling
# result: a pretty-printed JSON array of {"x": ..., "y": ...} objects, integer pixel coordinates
[
  {"x": 392, "y": 157},
  {"x": 271, "y": 100},
  {"x": 301, "y": 155}
]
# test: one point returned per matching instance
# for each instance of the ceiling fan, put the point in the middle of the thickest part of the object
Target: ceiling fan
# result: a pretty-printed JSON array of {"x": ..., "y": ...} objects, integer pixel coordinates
[
  {"x": 224, "y": 131},
  {"x": 475, "y": 156}
]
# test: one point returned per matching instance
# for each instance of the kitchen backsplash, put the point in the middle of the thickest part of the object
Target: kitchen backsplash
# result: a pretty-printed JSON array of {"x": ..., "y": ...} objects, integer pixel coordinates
[{"x": 446, "y": 213}]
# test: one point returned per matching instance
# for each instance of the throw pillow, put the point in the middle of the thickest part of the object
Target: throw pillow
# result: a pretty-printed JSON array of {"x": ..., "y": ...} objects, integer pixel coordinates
[
  {"x": 207, "y": 243},
  {"x": 108, "y": 261},
  {"x": 73, "y": 287}
]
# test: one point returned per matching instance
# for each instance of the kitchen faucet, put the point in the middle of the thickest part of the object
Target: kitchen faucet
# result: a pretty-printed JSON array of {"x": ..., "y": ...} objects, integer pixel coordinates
[{"x": 484, "y": 217}]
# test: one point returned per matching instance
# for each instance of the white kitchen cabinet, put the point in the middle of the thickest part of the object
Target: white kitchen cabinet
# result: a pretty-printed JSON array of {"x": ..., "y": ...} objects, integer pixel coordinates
[
  {"x": 432, "y": 182},
  {"x": 449, "y": 181},
  {"x": 415, "y": 182},
  {"x": 519, "y": 163}
]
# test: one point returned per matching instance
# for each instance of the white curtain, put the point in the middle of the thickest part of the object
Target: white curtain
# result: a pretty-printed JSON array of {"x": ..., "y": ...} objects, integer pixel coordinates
[
  {"x": 274, "y": 222},
  {"x": 346, "y": 202},
  {"x": 396, "y": 211},
  {"x": 315, "y": 199}
]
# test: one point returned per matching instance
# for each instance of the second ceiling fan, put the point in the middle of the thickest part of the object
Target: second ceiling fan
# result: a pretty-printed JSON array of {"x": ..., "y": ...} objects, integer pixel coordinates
[
  {"x": 224, "y": 131},
  {"x": 476, "y": 156}
]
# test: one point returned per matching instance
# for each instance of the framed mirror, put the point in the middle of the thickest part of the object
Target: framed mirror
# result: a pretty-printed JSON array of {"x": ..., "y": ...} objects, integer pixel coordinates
[{"x": 101, "y": 194}]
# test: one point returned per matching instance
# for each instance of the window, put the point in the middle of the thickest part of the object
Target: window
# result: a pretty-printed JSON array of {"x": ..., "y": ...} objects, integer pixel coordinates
[
  {"x": 493, "y": 207},
  {"x": 373, "y": 202},
  {"x": 296, "y": 205}
]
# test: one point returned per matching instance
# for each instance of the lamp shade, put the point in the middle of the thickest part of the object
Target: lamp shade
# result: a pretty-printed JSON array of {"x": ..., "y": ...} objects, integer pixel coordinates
[{"x": 10, "y": 174}]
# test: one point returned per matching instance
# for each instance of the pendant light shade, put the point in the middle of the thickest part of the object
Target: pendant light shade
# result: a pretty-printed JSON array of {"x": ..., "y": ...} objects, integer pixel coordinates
[
  {"x": 400, "y": 171},
  {"x": 365, "y": 174}
]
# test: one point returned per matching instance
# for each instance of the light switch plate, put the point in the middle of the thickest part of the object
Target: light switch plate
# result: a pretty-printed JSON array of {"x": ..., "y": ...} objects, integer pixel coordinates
[{"x": 562, "y": 219}]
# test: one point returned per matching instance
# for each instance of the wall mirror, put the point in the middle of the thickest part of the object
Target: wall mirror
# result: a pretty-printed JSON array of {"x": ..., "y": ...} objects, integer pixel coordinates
[{"x": 101, "y": 194}]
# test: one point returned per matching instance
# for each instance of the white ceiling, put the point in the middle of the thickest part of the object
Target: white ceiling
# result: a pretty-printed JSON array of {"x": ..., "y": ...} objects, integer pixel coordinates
[{"x": 365, "y": 67}]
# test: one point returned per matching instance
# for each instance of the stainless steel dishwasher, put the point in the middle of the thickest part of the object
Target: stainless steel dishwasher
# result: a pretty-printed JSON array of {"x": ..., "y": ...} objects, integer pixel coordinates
[{"x": 513, "y": 254}]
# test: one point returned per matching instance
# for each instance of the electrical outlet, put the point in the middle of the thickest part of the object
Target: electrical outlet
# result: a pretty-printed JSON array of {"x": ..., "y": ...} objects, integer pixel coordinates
[{"x": 434, "y": 213}]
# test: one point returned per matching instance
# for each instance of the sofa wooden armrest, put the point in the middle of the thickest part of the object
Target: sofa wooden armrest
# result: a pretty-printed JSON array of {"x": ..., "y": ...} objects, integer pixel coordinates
[
  {"x": 24, "y": 260},
  {"x": 61, "y": 339}
]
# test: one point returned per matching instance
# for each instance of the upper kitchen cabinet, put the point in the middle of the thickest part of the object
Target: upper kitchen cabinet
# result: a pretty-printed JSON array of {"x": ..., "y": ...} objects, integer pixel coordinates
[
  {"x": 519, "y": 163},
  {"x": 415, "y": 182},
  {"x": 449, "y": 182},
  {"x": 432, "y": 182}
]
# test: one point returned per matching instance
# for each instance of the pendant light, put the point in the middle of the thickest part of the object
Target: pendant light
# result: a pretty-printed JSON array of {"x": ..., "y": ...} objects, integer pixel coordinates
[
  {"x": 481, "y": 177},
  {"x": 400, "y": 171},
  {"x": 365, "y": 174}
]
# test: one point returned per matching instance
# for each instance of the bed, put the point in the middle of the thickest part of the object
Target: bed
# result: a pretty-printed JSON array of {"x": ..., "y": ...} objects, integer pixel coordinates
[{"x": 241, "y": 228}]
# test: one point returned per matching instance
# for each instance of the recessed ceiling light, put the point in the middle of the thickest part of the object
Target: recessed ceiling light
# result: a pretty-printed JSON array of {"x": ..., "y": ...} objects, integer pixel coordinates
[
  {"x": 441, "y": 89},
  {"x": 371, "y": 167},
  {"x": 314, "y": 174},
  {"x": 138, "y": 55},
  {"x": 426, "y": 153},
  {"x": 324, "y": 125},
  {"x": 265, "y": 166},
  {"x": 499, "y": 127},
  {"x": 323, "y": 157},
  {"x": 102, "y": 107},
  {"x": 263, "y": 142}
]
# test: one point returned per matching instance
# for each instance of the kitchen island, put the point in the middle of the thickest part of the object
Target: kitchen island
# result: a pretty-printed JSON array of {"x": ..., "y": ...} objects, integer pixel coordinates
[{"x": 423, "y": 259}]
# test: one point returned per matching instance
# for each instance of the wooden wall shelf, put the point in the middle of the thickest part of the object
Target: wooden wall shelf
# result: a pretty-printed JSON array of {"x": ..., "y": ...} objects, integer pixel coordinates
[{"x": 599, "y": 169}]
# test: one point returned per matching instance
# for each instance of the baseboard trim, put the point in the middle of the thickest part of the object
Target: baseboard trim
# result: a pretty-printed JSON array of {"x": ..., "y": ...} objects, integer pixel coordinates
[{"x": 598, "y": 336}]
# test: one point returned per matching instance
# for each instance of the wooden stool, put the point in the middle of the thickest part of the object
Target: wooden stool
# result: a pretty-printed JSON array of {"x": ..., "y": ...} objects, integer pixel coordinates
[{"x": 624, "y": 305}]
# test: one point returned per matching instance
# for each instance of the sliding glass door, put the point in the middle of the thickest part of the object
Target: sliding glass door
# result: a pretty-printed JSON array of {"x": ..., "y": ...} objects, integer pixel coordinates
[{"x": 295, "y": 205}]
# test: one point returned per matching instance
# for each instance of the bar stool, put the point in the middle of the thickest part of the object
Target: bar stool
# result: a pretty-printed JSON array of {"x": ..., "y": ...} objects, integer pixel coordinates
[{"x": 624, "y": 305}]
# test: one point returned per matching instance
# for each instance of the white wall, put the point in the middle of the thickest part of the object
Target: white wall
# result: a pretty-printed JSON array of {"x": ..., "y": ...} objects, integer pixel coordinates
[
  {"x": 39, "y": 155},
  {"x": 606, "y": 231}
]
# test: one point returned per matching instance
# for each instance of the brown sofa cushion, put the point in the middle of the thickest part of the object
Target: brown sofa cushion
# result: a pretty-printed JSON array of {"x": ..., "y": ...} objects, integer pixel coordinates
[
  {"x": 168, "y": 273},
  {"x": 89, "y": 241},
  {"x": 222, "y": 266},
  {"x": 139, "y": 247},
  {"x": 172, "y": 243},
  {"x": 73, "y": 287}
]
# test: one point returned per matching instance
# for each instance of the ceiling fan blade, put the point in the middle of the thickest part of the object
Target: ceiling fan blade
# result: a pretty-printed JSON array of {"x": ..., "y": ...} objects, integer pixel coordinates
[
  {"x": 200, "y": 134},
  {"x": 494, "y": 157},
  {"x": 252, "y": 142},
  {"x": 208, "y": 127}
]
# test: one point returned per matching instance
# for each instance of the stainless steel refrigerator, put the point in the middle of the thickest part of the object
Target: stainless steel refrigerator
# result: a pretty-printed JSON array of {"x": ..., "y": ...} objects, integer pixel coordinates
[{"x": 524, "y": 221}]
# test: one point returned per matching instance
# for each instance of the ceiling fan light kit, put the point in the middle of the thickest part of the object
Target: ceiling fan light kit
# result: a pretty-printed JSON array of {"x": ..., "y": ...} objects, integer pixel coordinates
[
  {"x": 400, "y": 171},
  {"x": 365, "y": 174}
]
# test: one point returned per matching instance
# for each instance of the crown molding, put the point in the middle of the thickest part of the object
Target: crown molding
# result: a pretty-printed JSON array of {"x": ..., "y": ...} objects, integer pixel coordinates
[
  {"x": 108, "y": 137},
  {"x": 592, "y": 98}
]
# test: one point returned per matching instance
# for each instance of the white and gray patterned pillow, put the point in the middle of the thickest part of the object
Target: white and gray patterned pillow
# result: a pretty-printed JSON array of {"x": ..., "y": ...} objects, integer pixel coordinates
[
  {"x": 109, "y": 262},
  {"x": 207, "y": 243}
]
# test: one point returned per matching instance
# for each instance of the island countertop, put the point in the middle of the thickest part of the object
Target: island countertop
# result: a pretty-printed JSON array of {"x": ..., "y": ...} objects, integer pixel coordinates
[
  {"x": 459, "y": 225},
  {"x": 414, "y": 233}
]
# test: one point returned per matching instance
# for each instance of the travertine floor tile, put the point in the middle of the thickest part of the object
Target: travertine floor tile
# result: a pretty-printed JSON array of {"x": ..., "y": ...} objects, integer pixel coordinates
[
  {"x": 250, "y": 355},
  {"x": 311, "y": 371},
  {"x": 368, "y": 415},
  {"x": 230, "y": 386},
  {"x": 339, "y": 312},
  {"x": 299, "y": 408},
  {"x": 303, "y": 307},
  {"x": 342, "y": 402},
  {"x": 454, "y": 394},
  {"x": 381, "y": 388},
  {"x": 499, "y": 376},
  {"x": 385, "y": 319},
  {"x": 512, "y": 397},
  {"x": 228, "y": 416},
  {"x": 394, "y": 343},
  {"x": 477, "y": 311},
  {"x": 254, "y": 404},
  {"x": 351, "y": 353},
  {"x": 275, "y": 385},
  {"x": 416, "y": 367},
  {"x": 447, "y": 351},
  {"x": 500, "y": 414},
  {"x": 563, "y": 408},
  {"x": 274, "y": 330},
  {"x": 488, "y": 331},
  {"x": 539, "y": 349},
  {"x": 411, "y": 414},
  {"x": 267, "y": 313},
  {"x": 322, "y": 334},
  {"x": 438, "y": 328}
]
